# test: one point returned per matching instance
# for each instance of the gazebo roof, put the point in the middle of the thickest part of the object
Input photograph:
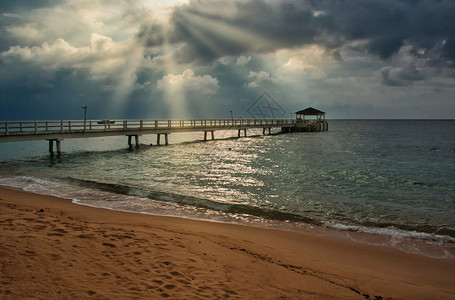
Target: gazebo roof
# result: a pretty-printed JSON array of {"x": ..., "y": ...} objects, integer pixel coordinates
[{"x": 310, "y": 112}]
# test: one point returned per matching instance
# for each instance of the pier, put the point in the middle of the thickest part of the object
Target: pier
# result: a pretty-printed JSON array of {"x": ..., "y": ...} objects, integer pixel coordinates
[{"x": 56, "y": 131}]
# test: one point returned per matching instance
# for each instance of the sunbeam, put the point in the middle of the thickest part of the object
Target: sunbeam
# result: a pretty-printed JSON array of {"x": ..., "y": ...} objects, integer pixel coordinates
[
  {"x": 218, "y": 36},
  {"x": 173, "y": 92},
  {"x": 126, "y": 81}
]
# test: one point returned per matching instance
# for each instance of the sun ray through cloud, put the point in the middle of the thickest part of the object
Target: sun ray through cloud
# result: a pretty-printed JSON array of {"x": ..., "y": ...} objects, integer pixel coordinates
[{"x": 219, "y": 36}]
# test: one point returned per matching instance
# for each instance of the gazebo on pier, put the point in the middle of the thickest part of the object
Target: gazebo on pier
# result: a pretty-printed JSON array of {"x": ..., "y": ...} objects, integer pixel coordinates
[{"x": 311, "y": 119}]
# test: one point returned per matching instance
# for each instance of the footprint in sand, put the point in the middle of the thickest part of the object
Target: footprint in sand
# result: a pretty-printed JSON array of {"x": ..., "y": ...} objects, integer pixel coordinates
[
  {"x": 176, "y": 274},
  {"x": 29, "y": 253},
  {"x": 86, "y": 236},
  {"x": 169, "y": 286},
  {"x": 39, "y": 227},
  {"x": 54, "y": 257},
  {"x": 54, "y": 234}
]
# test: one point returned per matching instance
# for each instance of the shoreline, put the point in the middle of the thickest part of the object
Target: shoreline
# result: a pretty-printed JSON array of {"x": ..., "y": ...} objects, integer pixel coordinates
[
  {"x": 411, "y": 242},
  {"x": 51, "y": 247}
]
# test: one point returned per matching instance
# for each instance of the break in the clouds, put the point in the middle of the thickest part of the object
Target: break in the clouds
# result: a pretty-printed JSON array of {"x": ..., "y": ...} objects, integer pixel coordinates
[{"x": 204, "y": 58}]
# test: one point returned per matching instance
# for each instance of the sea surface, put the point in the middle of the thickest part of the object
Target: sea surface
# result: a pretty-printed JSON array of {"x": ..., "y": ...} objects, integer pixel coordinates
[{"x": 383, "y": 182}]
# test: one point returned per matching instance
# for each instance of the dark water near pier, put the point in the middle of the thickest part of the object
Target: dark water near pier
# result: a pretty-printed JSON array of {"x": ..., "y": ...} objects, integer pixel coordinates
[{"x": 393, "y": 179}]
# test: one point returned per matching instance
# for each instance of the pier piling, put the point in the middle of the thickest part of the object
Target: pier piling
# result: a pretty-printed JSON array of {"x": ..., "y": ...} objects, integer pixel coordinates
[
  {"x": 158, "y": 138},
  {"x": 240, "y": 132},
  {"x": 264, "y": 129},
  {"x": 205, "y": 134},
  {"x": 51, "y": 146},
  {"x": 130, "y": 140}
]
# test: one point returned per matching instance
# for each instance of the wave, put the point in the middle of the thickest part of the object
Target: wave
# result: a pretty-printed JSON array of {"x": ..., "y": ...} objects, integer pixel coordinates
[
  {"x": 229, "y": 208},
  {"x": 443, "y": 235},
  {"x": 69, "y": 188},
  {"x": 426, "y": 232}
]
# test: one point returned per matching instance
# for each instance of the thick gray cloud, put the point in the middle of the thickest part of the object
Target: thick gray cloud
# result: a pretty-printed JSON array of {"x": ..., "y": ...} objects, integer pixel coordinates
[
  {"x": 386, "y": 25},
  {"x": 213, "y": 29},
  {"x": 401, "y": 76},
  {"x": 20, "y": 5},
  {"x": 151, "y": 35}
]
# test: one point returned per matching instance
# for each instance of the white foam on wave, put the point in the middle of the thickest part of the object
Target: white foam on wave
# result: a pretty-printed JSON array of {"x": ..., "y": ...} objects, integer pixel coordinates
[
  {"x": 413, "y": 242},
  {"x": 394, "y": 232}
]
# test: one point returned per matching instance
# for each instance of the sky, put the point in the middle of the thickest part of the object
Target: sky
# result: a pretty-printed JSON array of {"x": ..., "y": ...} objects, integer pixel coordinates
[{"x": 145, "y": 59}]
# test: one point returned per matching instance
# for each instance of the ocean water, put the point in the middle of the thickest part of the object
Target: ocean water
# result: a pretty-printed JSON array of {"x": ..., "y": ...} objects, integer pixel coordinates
[{"x": 384, "y": 182}]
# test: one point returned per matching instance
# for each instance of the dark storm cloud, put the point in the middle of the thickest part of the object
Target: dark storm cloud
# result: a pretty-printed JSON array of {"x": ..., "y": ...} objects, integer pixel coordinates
[
  {"x": 383, "y": 27},
  {"x": 401, "y": 76},
  {"x": 10, "y": 16},
  {"x": 387, "y": 25},
  {"x": 14, "y": 6},
  {"x": 151, "y": 35},
  {"x": 383, "y": 24}
]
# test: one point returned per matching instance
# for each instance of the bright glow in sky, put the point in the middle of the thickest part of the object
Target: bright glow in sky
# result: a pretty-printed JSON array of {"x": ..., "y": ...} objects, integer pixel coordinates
[
  {"x": 162, "y": 9},
  {"x": 204, "y": 58}
]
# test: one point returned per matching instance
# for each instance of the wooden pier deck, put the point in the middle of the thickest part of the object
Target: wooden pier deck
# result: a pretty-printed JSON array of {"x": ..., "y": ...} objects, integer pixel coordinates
[{"x": 57, "y": 131}]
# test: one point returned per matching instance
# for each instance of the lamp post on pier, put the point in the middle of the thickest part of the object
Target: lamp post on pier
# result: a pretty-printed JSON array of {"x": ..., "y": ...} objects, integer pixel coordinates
[{"x": 85, "y": 117}]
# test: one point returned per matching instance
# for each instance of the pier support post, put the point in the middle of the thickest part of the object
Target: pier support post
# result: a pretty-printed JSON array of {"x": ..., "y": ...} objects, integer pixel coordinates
[
  {"x": 51, "y": 146},
  {"x": 59, "y": 147},
  {"x": 158, "y": 138},
  {"x": 130, "y": 141},
  {"x": 212, "y": 133},
  {"x": 240, "y": 132}
]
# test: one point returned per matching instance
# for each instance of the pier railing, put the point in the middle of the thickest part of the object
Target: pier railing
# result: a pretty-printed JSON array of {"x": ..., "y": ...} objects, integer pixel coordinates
[{"x": 77, "y": 126}]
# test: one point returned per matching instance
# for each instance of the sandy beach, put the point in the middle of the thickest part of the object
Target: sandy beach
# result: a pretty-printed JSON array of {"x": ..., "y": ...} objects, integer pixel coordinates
[{"x": 51, "y": 248}]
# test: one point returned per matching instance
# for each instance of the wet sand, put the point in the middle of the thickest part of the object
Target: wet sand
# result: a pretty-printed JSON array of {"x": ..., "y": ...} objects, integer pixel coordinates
[{"x": 51, "y": 248}]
